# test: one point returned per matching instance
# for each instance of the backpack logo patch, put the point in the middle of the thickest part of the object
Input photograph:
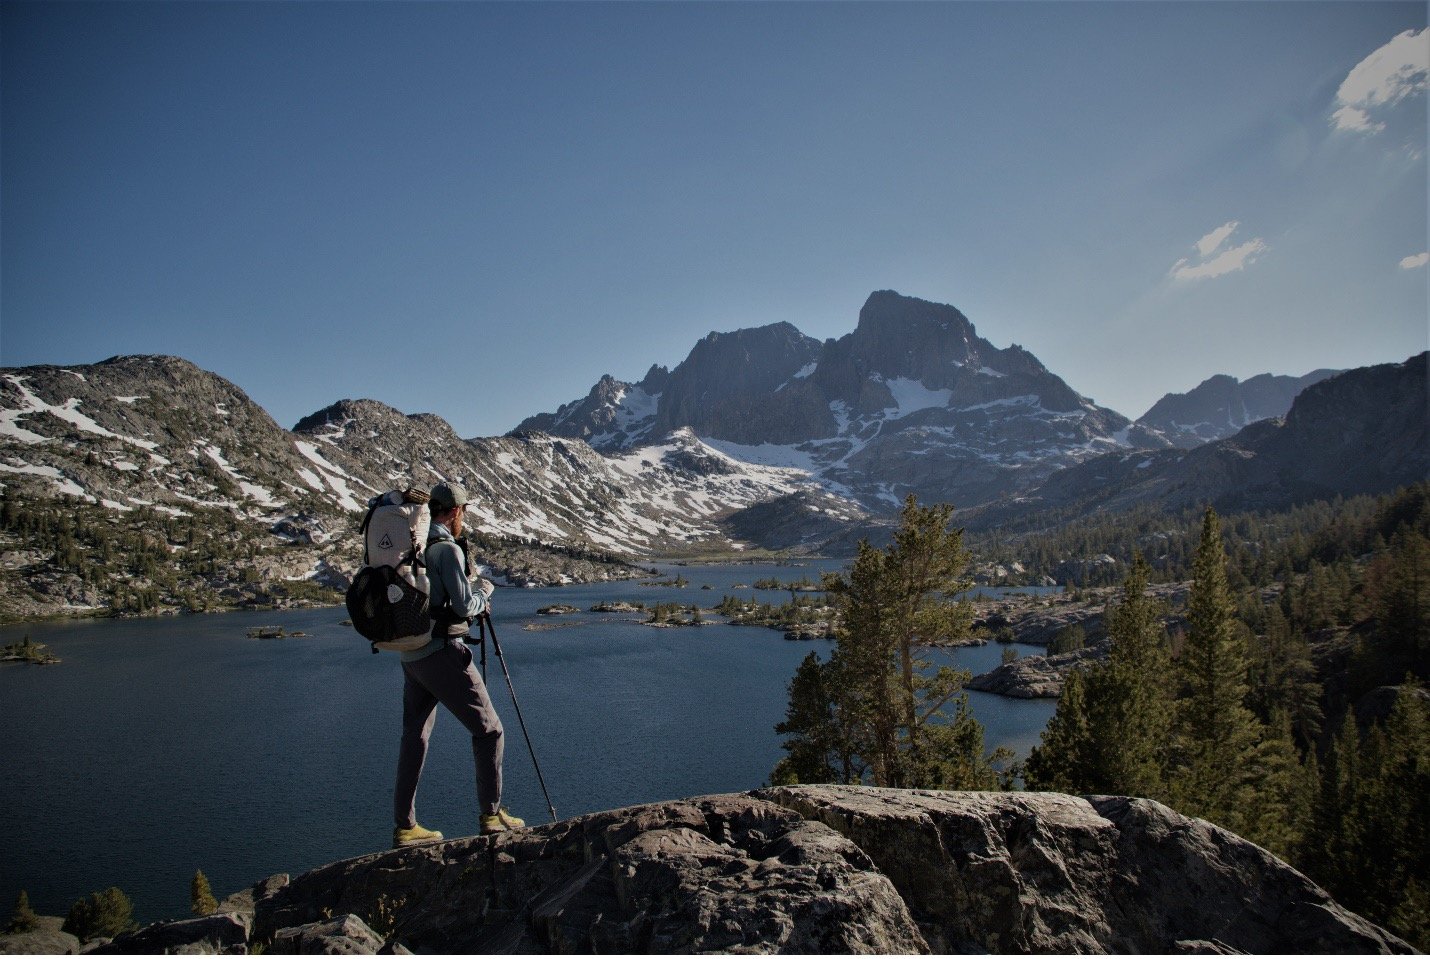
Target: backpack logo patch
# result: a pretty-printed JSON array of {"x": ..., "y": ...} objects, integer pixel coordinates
[{"x": 385, "y": 542}]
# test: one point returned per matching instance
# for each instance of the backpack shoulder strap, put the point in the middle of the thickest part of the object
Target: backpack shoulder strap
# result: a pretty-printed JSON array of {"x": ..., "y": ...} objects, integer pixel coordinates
[{"x": 372, "y": 506}]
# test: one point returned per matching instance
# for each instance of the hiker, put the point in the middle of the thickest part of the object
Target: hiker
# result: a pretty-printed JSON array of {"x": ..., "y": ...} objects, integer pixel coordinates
[{"x": 442, "y": 672}]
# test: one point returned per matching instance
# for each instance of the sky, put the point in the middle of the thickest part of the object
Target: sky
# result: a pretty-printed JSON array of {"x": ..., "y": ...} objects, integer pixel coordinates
[{"x": 477, "y": 209}]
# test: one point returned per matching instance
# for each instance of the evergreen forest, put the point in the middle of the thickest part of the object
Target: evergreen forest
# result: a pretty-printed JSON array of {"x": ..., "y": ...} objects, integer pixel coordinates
[{"x": 1291, "y": 709}]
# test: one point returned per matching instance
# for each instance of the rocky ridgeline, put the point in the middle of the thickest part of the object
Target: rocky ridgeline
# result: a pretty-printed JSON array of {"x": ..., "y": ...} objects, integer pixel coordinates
[
  {"x": 1221, "y": 405},
  {"x": 1363, "y": 431},
  {"x": 806, "y": 869},
  {"x": 911, "y": 401}
]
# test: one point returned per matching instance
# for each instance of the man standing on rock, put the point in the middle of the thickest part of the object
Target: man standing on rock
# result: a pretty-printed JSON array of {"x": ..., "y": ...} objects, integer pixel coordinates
[{"x": 442, "y": 672}]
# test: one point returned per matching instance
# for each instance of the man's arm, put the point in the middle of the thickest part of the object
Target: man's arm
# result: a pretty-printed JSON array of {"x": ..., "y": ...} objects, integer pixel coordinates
[{"x": 454, "y": 580}]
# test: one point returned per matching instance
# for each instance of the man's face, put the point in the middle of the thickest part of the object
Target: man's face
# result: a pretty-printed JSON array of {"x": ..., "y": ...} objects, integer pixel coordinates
[{"x": 457, "y": 520}]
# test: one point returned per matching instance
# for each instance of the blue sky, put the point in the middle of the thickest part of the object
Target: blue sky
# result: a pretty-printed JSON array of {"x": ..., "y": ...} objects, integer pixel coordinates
[{"x": 477, "y": 209}]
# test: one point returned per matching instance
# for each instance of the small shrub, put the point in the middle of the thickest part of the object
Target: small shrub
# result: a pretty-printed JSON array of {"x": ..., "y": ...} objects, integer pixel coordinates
[
  {"x": 100, "y": 915},
  {"x": 23, "y": 919}
]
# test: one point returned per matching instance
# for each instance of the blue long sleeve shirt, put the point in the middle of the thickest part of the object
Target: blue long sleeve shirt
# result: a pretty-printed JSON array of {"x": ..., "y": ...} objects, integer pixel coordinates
[{"x": 447, "y": 578}]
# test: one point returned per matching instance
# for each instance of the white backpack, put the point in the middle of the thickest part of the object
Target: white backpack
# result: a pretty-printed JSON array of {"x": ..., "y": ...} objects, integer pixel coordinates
[{"x": 388, "y": 598}]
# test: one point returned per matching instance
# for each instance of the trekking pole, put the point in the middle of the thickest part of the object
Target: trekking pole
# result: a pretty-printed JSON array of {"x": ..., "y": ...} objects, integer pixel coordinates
[
  {"x": 486, "y": 617},
  {"x": 482, "y": 638}
]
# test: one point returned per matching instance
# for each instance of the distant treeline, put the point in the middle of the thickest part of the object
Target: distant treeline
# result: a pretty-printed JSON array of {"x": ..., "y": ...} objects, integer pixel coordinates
[
  {"x": 1262, "y": 548},
  {"x": 140, "y": 560}
]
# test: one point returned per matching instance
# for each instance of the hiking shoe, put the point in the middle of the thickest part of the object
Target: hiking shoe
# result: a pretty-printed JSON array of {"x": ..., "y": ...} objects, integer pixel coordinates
[
  {"x": 414, "y": 836},
  {"x": 501, "y": 822}
]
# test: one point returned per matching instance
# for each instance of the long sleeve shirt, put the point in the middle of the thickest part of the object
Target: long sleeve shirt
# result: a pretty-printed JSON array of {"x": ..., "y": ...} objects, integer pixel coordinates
[{"x": 447, "y": 579}]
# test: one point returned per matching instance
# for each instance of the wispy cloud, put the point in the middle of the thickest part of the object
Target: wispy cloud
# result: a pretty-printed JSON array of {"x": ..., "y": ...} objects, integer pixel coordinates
[
  {"x": 1207, "y": 245},
  {"x": 1384, "y": 78},
  {"x": 1415, "y": 262},
  {"x": 1209, "y": 262}
]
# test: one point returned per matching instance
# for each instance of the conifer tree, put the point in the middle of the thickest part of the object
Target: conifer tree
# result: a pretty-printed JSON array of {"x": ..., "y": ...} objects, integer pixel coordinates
[
  {"x": 1328, "y": 854},
  {"x": 1283, "y": 678},
  {"x": 1131, "y": 710},
  {"x": 1061, "y": 761},
  {"x": 201, "y": 897},
  {"x": 1398, "y": 593},
  {"x": 1110, "y": 731},
  {"x": 896, "y": 718},
  {"x": 23, "y": 919},
  {"x": 1214, "y": 732},
  {"x": 1372, "y": 823},
  {"x": 814, "y": 746},
  {"x": 1285, "y": 792}
]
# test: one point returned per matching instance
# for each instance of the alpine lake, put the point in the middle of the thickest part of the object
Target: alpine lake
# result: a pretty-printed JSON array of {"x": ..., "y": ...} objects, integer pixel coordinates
[{"x": 162, "y": 746}]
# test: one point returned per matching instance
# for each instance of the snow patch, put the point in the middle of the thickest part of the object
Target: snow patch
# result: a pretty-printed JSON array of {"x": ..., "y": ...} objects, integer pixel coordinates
[
  {"x": 69, "y": 412},
  {"x": 336, "y": 477},
  {"x": 911, "y": 396},
  {"x": 63, "y": 483},
  {"x": 804, "y": 373}
]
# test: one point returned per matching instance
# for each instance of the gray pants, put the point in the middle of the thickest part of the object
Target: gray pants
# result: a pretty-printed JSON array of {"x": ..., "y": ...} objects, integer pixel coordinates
[{"x": 447, "y": 677}]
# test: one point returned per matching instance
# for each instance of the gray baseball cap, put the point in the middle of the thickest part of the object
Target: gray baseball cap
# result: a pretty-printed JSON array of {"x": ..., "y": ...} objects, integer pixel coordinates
[{"x": 447, "y": 496}]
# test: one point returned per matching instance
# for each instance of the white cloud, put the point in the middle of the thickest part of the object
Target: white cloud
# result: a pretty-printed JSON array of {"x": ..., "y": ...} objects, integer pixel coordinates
[
  {"x": 1414, "y": 262},
  {"x": 1207, "y": 245},
  {"x": 1387, "y": 76},
  {"x": 1204, "y": 265}
]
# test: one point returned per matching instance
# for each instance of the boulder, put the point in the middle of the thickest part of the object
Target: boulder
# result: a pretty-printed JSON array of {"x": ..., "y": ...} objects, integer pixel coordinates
[
  {"x": 1036, "y": 677},
  {"x": 714, "y": 874},
  {"x": 245, "y": 902},
  {"x": 224, "y": 933},
  {"x": 46, "y": 939},
  {"x": 344, "y": 936},
  {"x": 1044, "y": 872}
]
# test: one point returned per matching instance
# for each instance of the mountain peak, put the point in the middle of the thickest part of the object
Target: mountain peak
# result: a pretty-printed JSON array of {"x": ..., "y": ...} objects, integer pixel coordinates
[
  {"x": 1220, "y": 405},
  {"x": 912, "y": 388}
]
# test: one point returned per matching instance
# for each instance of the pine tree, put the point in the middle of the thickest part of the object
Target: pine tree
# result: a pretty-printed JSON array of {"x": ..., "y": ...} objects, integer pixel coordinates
[
  {"x": 1371, "y": 823},
  {"x": 1132, "y": 713},
  {"x": 897, "y": 719},
  {"x": 1283, "y": 677},
  {"x": 1214, "y": 733},
  {"x": 1285, "y": 792},
  {"x": 1328, "y": 845},
  {"x": 814, "y": 749},
  {"x": 1110, "y": 731},
  {"x": 1062, "y": 761},
  {"x": 1398, "y": 593},
  {"x": 201, "y": 897},
  {"x": 23, "y": 919}
]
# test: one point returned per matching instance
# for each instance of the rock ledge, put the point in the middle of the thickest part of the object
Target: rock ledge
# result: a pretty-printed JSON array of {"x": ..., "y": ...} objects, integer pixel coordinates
[{"x": 807, "y": 869}]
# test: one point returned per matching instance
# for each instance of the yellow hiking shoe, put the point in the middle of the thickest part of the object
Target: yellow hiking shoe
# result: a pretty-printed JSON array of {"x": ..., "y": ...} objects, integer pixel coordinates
[
  {"x": 501, "y": 822},
  {"x": 414, "y": 836}
]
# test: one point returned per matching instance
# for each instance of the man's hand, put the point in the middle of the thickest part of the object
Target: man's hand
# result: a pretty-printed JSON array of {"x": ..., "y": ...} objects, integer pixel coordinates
[{"x": 485, "y": 586}]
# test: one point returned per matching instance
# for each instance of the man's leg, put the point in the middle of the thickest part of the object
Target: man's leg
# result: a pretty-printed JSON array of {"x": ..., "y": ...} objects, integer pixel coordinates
[
  {"x": 419, "y": 712},
  {"x": 457, "y": 686}
]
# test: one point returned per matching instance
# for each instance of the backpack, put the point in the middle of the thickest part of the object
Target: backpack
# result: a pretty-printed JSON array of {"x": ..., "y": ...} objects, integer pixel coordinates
[{"x": 388, "y": 598}]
